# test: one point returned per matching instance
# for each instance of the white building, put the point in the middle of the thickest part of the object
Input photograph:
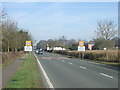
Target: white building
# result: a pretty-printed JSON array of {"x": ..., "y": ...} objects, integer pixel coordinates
[
  {"x": 56, "y": 48},
  {"x": 48, "y": 48}
]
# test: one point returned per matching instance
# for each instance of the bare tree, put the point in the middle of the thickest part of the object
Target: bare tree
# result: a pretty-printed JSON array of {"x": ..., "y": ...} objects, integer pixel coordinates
[
  {"x": 106, "y": 31},
  {"x": 13, "y": 38}
]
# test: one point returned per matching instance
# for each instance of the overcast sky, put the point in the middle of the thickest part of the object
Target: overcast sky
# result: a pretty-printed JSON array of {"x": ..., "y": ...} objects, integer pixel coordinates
[{"x": 46, "y": 20}]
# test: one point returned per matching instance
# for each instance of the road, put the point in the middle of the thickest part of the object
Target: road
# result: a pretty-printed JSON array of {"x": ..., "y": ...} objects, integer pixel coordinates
[{"x": 66, "y": 72}]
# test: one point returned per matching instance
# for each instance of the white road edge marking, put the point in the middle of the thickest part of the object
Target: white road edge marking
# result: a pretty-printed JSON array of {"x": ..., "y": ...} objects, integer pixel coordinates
[
  {"x": 44, "y": 73},
  {"x": 70, "y": 63},
  {"x": 82, "y": 67},
  {"x": 106, "y": 75},
  {"x": 62, "y": 60}
]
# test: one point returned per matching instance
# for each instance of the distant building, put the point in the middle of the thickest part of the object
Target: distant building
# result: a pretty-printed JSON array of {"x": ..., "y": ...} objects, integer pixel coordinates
[
  {"x": 48, "y": 48},
  {"x": 58, "y": 48},
  {"x": 55, "y": 48}
]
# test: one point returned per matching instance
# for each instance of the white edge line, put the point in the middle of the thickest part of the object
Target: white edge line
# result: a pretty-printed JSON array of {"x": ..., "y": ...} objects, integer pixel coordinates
[
  {"x": 106, "y": 75},
  {"x": 45, "y": 74},
  {"x": 70, "y": 63},
  {"x": 82, "y": 67}
]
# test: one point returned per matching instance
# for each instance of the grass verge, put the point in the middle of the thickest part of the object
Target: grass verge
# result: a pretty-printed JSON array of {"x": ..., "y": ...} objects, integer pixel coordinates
[
  {"x": 101, "y": 62},
  {"x": 106, "y": 63},
  {"x": 27, "y": 76}
]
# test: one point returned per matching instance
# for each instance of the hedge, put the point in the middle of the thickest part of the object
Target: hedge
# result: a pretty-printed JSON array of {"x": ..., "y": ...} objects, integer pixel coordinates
[{"x": 99, "y": 55}]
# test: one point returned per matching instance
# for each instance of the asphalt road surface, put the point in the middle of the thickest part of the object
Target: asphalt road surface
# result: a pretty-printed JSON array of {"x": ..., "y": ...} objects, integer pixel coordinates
[{"x": 66, "y": 72}]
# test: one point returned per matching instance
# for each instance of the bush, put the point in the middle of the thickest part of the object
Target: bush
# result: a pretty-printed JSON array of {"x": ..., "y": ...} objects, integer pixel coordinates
[
  {"x": 99, "y": 55},
  {"x": 8, "y": 56}
]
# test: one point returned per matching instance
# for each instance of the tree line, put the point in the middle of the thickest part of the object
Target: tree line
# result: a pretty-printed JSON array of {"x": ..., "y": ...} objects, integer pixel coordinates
[
  {"x": 62, "y": 42},
  {"x": 12, "y": 38},
  {"x": 106, "y": 36}
]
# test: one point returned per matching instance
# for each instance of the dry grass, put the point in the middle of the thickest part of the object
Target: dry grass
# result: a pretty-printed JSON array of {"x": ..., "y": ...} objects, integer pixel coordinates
[
  {"x": 98, "y": 55},
  {"x": 8, "y": 57},
  {"x": 99, "y": 51}
]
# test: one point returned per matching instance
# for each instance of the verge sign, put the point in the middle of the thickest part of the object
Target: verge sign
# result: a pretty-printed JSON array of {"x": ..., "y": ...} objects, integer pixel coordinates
[
  {"x": 81, "y": 43},
  {"x": 28, "y": 43},
  {"x": 28, "y": 46},
  {"x": 81, "y": 46}
]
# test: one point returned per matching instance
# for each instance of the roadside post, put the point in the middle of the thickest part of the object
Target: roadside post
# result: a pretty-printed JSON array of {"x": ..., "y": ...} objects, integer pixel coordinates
[
  {"x": 28, "y": 47},
  {"x": 106, "y": 53},
  {"x": 81, "y": 47}
]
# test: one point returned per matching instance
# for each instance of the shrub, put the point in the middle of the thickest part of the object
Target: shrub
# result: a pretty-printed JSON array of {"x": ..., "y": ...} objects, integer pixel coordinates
[{"x": 99, "y": 55}]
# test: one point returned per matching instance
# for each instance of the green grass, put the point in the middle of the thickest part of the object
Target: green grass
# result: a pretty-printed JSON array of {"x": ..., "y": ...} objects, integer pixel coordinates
[
  {"x": 27, "y": 76},
  {"x": 111, "y": 64},
  {"x": 106, "y": 63}
]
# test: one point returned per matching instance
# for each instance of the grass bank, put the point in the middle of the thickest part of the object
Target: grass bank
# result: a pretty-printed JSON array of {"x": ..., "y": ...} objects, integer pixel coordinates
[
  {"x": 9, "y": 57},
  {"x": 27, "y": 76}
]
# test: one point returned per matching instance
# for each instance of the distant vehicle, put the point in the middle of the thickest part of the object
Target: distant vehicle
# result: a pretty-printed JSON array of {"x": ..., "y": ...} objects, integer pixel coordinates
[{"x": 39, "y": 51}]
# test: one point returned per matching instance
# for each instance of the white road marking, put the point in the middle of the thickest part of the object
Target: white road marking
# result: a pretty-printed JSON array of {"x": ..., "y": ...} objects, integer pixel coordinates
[
  {"x": 70, "y": 63},
  {"x": 62, "y": 60},
  {"x": 82, "y": 67},
  {"x": 44, "y": 73},
  {"x": 106, "y": 75}
]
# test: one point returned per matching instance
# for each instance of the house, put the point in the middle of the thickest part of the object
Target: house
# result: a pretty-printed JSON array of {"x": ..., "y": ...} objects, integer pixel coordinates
[{"x": 56, "y": 48}]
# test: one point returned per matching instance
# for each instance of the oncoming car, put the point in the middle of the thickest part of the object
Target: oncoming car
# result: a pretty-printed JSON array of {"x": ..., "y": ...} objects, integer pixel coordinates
[{"x": 39, "y": 51}]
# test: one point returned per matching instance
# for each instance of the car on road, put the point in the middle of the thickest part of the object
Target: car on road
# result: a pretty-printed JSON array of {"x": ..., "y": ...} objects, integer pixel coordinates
[{"x": 39, "y": 51}]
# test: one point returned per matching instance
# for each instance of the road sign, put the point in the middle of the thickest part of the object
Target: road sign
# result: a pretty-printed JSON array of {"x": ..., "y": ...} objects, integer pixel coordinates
[
  {"x": 81, "y": 43},
  {"x": 27, "y": 48},
  {"x": 81, "y": 48},
  {"x": 28, "y": 43}
]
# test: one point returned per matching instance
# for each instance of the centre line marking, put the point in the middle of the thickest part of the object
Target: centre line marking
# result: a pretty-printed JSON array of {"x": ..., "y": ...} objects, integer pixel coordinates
[
  {"x": 70, "y": 63},
  {"x": 82, "y": 67},
  {"x": 106, "y": 75}
]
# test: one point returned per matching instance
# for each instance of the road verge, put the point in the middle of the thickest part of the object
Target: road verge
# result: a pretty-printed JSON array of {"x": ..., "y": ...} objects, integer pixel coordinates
[
  {"x": 27, "y": 76},
  {"x": 44, "y": 73}
]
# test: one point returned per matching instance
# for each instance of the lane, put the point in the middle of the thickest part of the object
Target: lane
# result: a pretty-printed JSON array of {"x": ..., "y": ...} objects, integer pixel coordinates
[
  {"x": 95, "y": 67},
  {"x": 79, "y": 74}
]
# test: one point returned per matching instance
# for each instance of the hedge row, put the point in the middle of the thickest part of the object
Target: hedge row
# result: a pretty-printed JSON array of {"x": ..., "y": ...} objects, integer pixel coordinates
[
  {"x": 100, "y": 55},
  {"x": 8, "y": 56}
]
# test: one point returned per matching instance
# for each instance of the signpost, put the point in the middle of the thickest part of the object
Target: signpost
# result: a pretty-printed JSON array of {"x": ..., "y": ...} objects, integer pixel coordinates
[
  {"x": 28, "y": 43},
  {"x": 81, "y": 47},
  {"x": 28, "y": 47},
  {"x": 81, "y": 43}
]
